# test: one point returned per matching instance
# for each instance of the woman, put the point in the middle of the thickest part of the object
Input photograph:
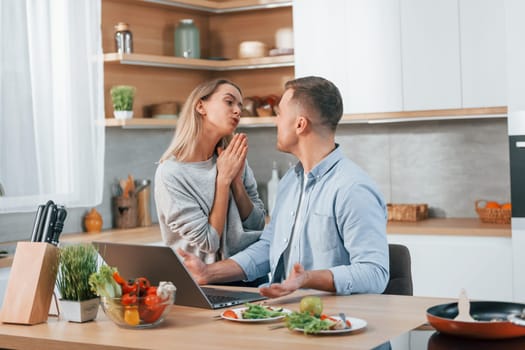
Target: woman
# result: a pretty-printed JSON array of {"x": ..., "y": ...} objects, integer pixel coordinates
[{"x": 206, "y": 194}]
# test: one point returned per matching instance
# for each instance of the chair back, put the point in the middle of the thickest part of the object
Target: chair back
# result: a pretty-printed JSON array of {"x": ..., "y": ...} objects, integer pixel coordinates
[{"x": 400, "y": 282}]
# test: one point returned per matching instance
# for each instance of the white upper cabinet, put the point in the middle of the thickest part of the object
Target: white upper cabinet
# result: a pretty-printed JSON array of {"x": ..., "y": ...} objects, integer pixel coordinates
[
  {"x": 373, "y": 56},
  {"x": 404, "y": 55},
  {"x": 483, "y": 66},
  {"x": 430, "y": 54},
  {"x": 320, "y": 39},
  {"x": 355, "y": 44}
]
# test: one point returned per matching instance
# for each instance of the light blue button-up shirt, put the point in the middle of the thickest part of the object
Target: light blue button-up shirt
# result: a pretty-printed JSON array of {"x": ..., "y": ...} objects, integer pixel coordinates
[{"x": 344, "y": 227}]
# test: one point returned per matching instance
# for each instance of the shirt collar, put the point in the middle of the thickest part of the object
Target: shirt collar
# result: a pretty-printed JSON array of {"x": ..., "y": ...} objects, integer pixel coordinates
[{"x": 323, "y": 166}]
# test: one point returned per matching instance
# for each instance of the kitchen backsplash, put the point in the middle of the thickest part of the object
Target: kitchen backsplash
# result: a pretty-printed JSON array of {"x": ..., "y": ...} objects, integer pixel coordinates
[{"x": 447, "y": 164}]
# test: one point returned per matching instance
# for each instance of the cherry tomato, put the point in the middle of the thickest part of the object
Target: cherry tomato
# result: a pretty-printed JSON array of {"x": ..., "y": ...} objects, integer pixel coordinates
[
  {"x": 129, "y": 299},
  {"x": 230, "y": 314}
]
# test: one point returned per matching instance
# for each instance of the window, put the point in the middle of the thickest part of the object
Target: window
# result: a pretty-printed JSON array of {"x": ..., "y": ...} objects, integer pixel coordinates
[{"x": 51, "y": 103}]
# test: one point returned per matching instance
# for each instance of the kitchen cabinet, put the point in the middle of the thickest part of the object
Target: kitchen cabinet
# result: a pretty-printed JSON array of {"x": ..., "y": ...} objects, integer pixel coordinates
[
  {"x": 355, "y": 44},
  {"x": 405, "y": 60},
  {"x": 430, "y": 54},
  {"x": 443, "y": 265},
  {"x": 160, "y": 77},
  {"x": 483, "y": 66}
]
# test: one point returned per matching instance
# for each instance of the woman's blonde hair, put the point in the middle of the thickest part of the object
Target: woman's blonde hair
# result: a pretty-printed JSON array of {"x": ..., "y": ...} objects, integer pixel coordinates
[{"x": 189, "y": 124}]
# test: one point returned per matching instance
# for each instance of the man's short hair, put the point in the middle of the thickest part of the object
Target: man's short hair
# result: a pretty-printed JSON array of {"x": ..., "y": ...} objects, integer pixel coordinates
[{"x": 319, "y": 95}]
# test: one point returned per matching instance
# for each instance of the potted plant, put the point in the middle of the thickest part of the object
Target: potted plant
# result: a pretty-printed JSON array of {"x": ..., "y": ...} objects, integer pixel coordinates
[
  {"x": 78, "y": 303},
  {"x": 122, "y": 98}
]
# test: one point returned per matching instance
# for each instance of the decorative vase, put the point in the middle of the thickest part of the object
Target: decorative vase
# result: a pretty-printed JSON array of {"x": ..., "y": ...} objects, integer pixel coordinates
[
  {"x": 79, "y": 311},
  {"x": 93, "y": 221},
  {"x": 123, "y": 114}
]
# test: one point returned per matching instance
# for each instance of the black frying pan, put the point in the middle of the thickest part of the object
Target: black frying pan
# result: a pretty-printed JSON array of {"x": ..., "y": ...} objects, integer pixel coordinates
[
  {"x": 491, "y": 320},
  {"x": 440, "y": 341}
]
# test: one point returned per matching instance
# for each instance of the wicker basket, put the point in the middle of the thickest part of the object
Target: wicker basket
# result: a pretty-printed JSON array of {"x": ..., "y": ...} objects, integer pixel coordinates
[
  {"x": 492, "y": 215},
  {"x": 407, "y": 212},
  {"x": 162, "y": 110}
]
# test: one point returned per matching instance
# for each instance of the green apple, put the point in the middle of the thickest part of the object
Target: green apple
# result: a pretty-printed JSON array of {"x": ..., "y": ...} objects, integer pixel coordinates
[{"x": 311, "y": 304}]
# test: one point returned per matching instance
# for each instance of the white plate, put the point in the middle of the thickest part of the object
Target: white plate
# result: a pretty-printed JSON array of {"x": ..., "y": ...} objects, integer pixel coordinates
[
  {"x": 238, "y": 311},
  {"x": 357, "y": 324}
]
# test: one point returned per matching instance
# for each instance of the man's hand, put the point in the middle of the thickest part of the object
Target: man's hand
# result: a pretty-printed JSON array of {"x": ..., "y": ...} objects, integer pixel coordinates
[
  {"x": 296, "y": 280},
  {"x": 195, "y": 265}
]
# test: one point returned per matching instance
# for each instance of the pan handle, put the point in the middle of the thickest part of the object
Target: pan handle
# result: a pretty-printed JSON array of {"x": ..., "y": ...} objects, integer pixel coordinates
[{"x": 517, "y": 319}]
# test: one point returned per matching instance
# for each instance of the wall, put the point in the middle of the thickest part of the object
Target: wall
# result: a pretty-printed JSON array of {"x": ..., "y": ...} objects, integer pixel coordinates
[{"x": 447, "y": 164}]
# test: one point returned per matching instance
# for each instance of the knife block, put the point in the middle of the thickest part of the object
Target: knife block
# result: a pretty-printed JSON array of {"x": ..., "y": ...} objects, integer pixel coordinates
[{"x": 31, "y": 283}]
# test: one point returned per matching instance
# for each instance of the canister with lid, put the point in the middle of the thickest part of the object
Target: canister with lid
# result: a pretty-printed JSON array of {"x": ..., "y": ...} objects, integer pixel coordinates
[
  {"x": 123, "y": 38},
  {"x": 187, "y": 39}
]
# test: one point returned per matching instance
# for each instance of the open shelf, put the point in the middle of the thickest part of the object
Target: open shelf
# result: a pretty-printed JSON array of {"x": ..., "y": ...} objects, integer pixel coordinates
[
  {"x": 370, "y": 118},
  {"x": 151, "y": 123},
  {"x": 199, "y": 64},
  {"x": 224, "y": 6}
]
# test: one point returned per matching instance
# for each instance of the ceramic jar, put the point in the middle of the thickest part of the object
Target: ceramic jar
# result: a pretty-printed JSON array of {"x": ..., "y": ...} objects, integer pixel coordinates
[
  {"x": 93, "y": 221},
  {"x": 187, "y": 40}
]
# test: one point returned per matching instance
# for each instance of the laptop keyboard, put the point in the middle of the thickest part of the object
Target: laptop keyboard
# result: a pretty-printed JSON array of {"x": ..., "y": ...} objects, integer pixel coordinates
[{"x": 215, "y": 299}]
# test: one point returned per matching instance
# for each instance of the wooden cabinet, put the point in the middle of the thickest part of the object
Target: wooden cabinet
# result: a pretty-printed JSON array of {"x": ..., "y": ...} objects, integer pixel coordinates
[
  {"x": 430, "y": 54},
  {"x": 483, "y": 66},
  {"x": 161, "y": 77}
]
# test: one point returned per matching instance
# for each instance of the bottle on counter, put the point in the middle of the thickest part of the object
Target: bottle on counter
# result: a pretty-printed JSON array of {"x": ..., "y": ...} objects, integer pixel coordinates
[
  {"x": 272, "y": 188},
  {"x": 187, "y": 40},
  {"x": 123, "y": 38}
]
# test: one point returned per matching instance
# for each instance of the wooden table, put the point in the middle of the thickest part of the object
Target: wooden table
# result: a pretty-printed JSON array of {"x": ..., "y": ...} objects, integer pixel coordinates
[{"x": 388, "y": 316}]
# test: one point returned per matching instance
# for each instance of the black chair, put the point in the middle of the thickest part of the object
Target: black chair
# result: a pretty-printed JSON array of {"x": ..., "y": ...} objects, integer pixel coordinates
[{"x": 400, "y": 282}]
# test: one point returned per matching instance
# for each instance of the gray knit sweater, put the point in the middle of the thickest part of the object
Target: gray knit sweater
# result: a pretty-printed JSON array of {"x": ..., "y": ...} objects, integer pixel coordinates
[{"x": 184, "y": 194}]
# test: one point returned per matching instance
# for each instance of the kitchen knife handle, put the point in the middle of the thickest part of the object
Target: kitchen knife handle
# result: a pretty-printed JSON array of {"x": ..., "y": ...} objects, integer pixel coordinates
[
  {"x": 47, "y": 232},
  {"x": 59, "y": 224},
  {"x": 41, "y": 223},
  {"x": 37, "y": 223}
]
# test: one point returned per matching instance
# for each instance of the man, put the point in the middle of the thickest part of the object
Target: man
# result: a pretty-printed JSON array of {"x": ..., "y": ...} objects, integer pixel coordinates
[{"x": 328, "y": 227}]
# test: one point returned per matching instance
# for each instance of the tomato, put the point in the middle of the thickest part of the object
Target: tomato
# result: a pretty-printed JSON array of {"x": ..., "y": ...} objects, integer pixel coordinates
[
  {"x": 230, "y": 314},
  {"x": 142, "y": 284},
  {"x": 129, "y": 288},
  {"x": 312, "y": 305},
  {"x": 151, "y": 313},
  {"x": 129, "y": 299},
  {"x": 152, "y": 300},
  {"x": 151, "y": 291}
]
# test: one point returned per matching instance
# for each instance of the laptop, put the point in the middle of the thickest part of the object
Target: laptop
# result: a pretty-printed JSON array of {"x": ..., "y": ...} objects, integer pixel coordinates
[{"x": 160, "y": 263}]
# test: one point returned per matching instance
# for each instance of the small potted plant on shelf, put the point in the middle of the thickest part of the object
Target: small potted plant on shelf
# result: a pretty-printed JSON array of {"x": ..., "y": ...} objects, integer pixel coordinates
[
  {"x": 122, "y": 98},
  {"x": 78, "y": 303}
]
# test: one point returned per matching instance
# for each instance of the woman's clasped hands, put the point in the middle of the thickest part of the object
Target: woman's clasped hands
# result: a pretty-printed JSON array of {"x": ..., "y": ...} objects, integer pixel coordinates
[{"x": 230, "y": 161}]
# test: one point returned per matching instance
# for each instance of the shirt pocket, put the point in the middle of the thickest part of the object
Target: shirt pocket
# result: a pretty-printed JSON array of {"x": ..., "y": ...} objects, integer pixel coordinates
[{"x": 323, "y": 232}]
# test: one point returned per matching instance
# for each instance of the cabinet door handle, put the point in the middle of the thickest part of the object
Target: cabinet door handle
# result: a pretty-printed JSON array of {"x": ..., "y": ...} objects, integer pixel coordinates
[{"x": 520, "y": 144}]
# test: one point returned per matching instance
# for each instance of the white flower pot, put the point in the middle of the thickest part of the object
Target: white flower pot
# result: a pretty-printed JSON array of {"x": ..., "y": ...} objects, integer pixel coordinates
[
  {"x": 123, "y": 114},
  {"x": 79, "y": 311}
]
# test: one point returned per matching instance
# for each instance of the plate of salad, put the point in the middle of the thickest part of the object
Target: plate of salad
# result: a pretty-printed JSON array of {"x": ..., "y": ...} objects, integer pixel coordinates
[
  {"x": 309, "y": 324},
  {"x": 255, "y": 313}
]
